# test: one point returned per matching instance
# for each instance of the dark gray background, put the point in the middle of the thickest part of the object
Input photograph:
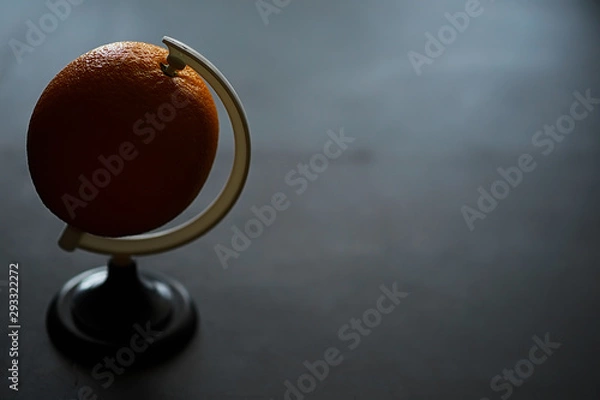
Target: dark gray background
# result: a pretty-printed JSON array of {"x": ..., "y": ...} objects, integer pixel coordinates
[{"x": 387, "y": 211}]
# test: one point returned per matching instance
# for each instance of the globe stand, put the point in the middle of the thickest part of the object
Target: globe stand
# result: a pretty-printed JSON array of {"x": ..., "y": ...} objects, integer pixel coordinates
[
  {"x": 118, "y": 311},
  {"x": 101, "y": 311}
]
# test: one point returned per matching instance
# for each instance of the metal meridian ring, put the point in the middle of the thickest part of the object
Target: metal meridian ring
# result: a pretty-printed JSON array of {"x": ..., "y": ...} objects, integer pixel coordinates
[{"x": 180, "y": 55}]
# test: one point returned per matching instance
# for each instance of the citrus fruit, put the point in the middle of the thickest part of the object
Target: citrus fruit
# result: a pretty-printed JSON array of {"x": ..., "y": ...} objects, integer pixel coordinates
[{"x": 117, "y": 147}]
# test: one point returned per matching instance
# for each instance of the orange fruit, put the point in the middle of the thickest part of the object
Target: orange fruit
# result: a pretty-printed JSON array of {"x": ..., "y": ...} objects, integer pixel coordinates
[{"x": 115, "y": 146}]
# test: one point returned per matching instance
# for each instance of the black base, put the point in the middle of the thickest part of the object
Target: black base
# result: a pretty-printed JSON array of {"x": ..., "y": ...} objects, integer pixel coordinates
[{"x": 119, "y": 313}]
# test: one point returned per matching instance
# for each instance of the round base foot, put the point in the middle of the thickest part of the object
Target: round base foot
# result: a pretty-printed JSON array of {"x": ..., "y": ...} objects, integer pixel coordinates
[{"x": 119, "y": 313}]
